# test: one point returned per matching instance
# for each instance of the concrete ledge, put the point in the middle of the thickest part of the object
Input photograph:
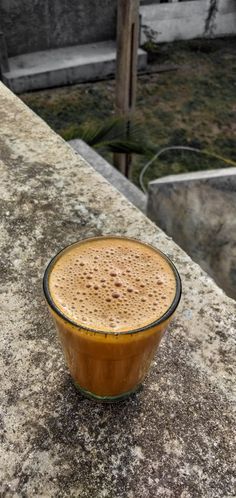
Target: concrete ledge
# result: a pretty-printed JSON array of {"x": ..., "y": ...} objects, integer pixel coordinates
[
  {"x": 173, "y": 438},
  {"x": 119, "y": 181},
  {"x": 199, "y": 211},
  {"x": 64, "y": 66}
]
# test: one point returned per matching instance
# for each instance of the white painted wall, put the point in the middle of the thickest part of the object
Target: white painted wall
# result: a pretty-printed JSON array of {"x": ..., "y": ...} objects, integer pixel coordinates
[{"x": 186, "y": 20}]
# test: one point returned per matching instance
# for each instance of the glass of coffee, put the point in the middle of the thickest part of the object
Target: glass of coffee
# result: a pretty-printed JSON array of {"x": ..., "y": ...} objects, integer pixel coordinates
[{"x": 111, "y": 299}]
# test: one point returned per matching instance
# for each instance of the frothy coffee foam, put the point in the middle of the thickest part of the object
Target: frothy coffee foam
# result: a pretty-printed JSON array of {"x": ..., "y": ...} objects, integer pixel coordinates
[{"x": 112, "y": 284}]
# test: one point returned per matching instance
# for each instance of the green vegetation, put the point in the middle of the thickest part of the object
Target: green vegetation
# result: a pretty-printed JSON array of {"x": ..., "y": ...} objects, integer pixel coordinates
[
  {"x": 111, "y": 136},
  {"x": 194, "y": 105}
]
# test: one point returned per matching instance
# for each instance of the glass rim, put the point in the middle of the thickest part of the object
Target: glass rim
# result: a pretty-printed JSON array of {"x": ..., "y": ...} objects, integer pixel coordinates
[{"x": 168, "y": 313}]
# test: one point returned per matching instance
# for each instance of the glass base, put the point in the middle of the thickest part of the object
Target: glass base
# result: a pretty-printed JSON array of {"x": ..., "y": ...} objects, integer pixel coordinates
[{"x": 106, "y": 399}]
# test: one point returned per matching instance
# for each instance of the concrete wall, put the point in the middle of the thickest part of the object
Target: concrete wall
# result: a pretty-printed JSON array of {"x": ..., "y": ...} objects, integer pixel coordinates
[
  {"x": 32, "y": 25},
  {"x": 199, "y": 211},
  {"x": 186, "y": 20}
]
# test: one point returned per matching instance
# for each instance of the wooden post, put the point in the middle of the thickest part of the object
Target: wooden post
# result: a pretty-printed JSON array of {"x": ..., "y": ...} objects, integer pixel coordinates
[
  {"x": 126, "y": 70},
  {"x": 4, "y": 66}
]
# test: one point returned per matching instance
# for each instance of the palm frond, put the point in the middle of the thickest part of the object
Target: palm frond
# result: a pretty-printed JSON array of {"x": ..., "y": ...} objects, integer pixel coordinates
[
  {"x": 92, "y": 134},
  {"x": 124, "y": 146},
  {"x": 115, "y": 135}
]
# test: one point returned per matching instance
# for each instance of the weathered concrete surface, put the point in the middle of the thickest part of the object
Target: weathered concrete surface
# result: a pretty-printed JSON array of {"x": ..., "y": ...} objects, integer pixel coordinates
[
  {"x": 199, "y": 211},
  {"x": 40, "y": 25},
  {"x": 64, "y": 66},
  {"x": 174, "y": 438},
  {"x": 185, "y": 20},
  {"x": 30, "y": 26},
  {"x": 119, "y": 181}
]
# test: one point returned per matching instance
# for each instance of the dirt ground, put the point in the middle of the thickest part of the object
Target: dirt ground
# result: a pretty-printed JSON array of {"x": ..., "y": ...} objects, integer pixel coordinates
[{"x": 194, "y": 105}]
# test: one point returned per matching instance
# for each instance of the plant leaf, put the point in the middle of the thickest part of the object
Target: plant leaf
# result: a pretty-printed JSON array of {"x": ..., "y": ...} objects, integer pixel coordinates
[{"x": 116, "y": 135}]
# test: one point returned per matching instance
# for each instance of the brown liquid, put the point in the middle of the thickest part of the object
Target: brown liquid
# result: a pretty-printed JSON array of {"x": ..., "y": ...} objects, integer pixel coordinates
[
  {"x": 107, "y": 288},
  {"x": 112, "y": 284}
]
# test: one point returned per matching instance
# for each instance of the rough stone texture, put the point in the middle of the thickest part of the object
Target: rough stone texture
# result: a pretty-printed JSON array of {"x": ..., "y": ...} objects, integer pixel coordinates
[
  {"x": 30, "y": 26},
  {"x": 127, "y": 188},
  {"x": 199, "y": 211},
  {"x": 64, "y": 66},
  {"x": 172, "y": 439}
]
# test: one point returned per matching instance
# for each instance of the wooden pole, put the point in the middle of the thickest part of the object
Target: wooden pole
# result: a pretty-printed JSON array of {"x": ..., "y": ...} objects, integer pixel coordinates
[{"x": 126, "y": 70}]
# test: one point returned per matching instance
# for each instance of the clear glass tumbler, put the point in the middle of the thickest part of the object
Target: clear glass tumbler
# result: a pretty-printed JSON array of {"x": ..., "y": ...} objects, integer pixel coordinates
[{"x": 108, "y": 366}]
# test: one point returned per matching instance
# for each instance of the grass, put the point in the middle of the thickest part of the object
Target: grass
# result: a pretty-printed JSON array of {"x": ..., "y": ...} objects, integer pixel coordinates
[{"x": 194, "y": 105}]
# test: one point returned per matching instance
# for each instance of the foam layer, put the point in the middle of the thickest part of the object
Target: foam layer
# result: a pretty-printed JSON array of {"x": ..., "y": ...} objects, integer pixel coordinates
[{"x": 112, "y": 284}]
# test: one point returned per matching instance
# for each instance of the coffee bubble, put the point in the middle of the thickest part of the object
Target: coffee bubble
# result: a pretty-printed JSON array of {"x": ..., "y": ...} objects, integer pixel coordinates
[
  {"x": 115, "y": 295},
  {"x": 112, "y": 284}
]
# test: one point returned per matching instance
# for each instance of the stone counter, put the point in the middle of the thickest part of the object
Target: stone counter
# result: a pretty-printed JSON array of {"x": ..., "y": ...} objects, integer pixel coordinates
[{"x": 172, "y": 439}]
